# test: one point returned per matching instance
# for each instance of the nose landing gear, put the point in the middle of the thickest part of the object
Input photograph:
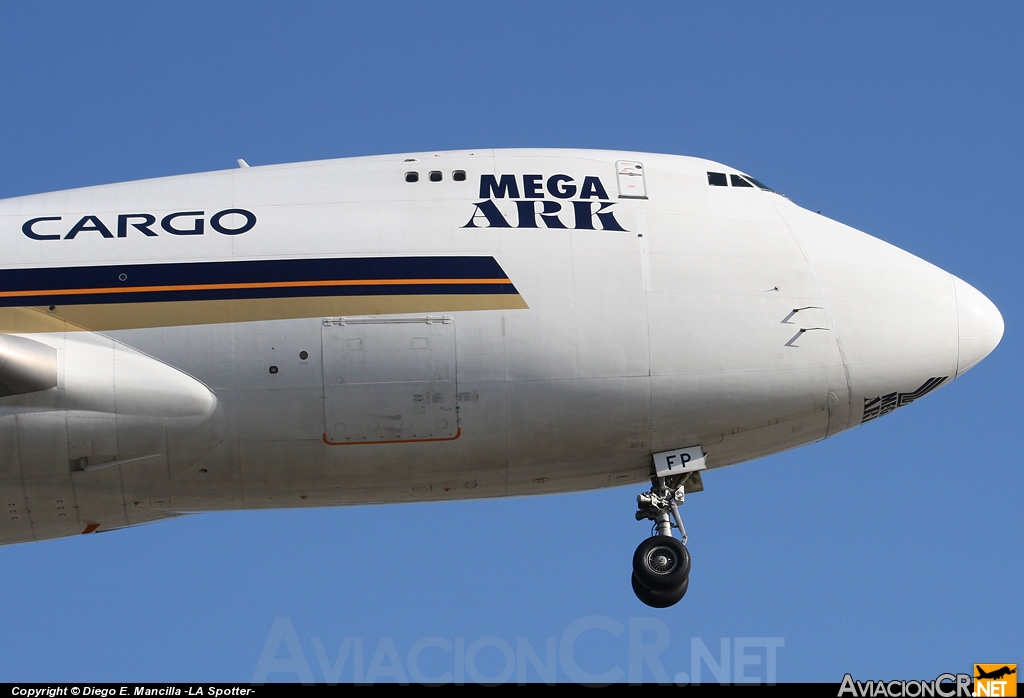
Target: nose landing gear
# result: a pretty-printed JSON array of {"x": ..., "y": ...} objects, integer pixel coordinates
[{"x": 661, "y": 563}]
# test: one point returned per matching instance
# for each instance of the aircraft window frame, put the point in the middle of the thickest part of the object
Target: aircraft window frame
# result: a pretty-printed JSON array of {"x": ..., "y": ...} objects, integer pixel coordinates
[
  {"x": 739, "y": 182},
  {"x": 759, "y": 185},
  {"x": 412, "y": 176},
  {"x": 435, "y": 176},
  {"x": 718, "y": 179},
  {"x": 459, "y": 175}
]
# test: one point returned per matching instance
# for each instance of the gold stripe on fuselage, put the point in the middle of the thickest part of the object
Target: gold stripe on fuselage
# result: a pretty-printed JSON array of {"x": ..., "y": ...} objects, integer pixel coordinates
[{"x": 123, "y": 316}]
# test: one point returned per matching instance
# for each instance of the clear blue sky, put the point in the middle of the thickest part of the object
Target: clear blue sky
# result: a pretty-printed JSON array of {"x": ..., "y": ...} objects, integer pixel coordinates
[{"x": 891, "y": 551}]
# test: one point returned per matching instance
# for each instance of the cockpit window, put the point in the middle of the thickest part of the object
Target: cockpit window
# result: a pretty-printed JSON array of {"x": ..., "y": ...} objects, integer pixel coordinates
[
  {"x": 761, "y": 186},
  {"x": 720, "y": 179}
]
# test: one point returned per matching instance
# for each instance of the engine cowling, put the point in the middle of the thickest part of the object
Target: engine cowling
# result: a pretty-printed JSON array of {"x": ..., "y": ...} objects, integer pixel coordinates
[{"x": 91, "y": 433}]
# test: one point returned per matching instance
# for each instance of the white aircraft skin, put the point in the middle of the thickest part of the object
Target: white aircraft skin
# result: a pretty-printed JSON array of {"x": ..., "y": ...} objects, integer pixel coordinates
[{"x": 329, "y": 333}]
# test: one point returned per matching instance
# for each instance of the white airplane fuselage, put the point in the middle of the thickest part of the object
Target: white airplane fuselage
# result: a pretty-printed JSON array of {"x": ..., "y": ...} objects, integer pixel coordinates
[{"x": 535, "y": 321}]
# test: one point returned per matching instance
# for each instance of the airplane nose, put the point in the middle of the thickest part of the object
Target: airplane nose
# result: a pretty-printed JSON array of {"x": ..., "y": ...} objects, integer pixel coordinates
[{"x": 979, "y": 322}]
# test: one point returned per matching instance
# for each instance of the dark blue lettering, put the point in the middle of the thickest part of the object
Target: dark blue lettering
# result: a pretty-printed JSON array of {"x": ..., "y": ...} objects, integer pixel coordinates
[
  {"x": 143, "y": 227},
  {"x": 507, "y": 187},
  {"x": 489, "y": 210},
  {"x": 88, "y": 223},
  {"x": 27, "y": 228},
  {"x": 197, "y": 230},
  {"x": 528, "y": 214},
  {"x": 249, "y": 216},
  {"x": 592, "y": 188},
  {"x": 532, "y": 186},
  {"x": 561, "y": 192},
  {"x": 585, "y": 216}
]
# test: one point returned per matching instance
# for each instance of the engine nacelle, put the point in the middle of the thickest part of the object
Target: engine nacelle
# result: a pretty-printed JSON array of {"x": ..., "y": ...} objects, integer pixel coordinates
[
  {"x": 26, "y": 366},
  {"x": 81, "y": 401}
]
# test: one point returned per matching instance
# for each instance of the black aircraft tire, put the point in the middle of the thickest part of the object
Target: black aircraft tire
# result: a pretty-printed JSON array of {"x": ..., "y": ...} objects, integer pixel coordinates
[
  {"x": 661, "y": 563},
  {"x": 659, "y": 599}
]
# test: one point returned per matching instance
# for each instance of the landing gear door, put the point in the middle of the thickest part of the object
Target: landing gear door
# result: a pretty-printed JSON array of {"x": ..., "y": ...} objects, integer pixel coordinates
[
  {"x": 389, "y": 380},
  {"x": 631, "y": 179}
]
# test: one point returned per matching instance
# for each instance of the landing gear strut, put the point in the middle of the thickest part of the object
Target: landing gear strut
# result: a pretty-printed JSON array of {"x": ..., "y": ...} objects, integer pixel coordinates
[{"x": 661, "y": 563}]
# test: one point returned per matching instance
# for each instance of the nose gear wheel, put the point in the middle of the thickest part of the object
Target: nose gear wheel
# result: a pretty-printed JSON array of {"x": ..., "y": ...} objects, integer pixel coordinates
[
  {"x": 659, "y": 599},
  {"x": 661, "y": 562}
]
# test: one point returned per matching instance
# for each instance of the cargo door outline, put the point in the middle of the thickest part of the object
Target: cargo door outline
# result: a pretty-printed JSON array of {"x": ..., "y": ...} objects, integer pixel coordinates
[{"x": 389, "y": 380}]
